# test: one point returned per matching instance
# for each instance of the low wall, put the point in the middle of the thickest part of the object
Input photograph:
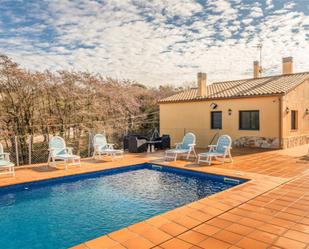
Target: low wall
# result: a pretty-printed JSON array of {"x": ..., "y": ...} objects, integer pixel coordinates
[
  {"x": 290, "y": 142},
  {"x": 257, "y": 142},
  {"x": 271, "y": 142}
]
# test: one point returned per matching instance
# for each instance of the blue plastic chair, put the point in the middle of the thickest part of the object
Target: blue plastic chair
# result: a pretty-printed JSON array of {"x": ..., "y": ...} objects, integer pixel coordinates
[
  {"x": 184, "y": 148},
  {"x": 221, "y": 150}
]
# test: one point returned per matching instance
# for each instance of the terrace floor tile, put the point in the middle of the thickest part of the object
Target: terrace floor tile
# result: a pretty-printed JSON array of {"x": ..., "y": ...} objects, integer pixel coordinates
[
  {"x": 296, "y": 235},
  {"x": 286, "y": 243},
  {"x": 193, "y": 237},
  {"x": 158, "y": 221},
  {"x": 187, "y": 222},
  {"x": 218, "y": 222},
  {"x": 138, "y": 242},
  {"x": 263, "y": 236},
  {"x": 239, "y": 229},
  {"x": 249, "y": 222},
  {"x": 277, "y": 230},
  {"x": 122, "y": 235},
  {"x": 304, "y": 221},
  {"x": 207, "y": 229},
  {"x": 227, "y": 236},
  {"x": 140, "y": 227},
  {"x": 118, "y": 246},
  {"x": 173, "y": 228},
  {"x": 156, "y": 236},
  {"x": 199, "y": 215},
  {"x": 176, "y": 243},
  {"x": 301, "y": 228},
  {"x": 101, "y": 243},
  {"x": 251, "y": 243},
  {"x": 212, "y": 243}
]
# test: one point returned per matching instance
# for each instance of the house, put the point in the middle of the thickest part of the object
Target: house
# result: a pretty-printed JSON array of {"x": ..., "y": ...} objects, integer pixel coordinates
[{"x": 267, "y": 112}]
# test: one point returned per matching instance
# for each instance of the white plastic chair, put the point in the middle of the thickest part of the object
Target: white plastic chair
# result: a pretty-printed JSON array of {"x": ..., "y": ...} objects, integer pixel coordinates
[
  {"x": 101, "y": 147},
  {"x": 184, "y": 148},
  {"x": 5, "y": 163},
  {"x": 59, "y": 151},
  {"x": 221, "y": 150}
]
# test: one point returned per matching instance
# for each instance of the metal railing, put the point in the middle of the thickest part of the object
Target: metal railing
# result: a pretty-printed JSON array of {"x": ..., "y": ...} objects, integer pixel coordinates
[{"x": 33, "y": 149}]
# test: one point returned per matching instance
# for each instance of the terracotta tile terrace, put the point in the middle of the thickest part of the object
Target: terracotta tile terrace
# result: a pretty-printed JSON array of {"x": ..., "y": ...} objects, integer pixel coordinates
[{"x": 269, "y": 211}]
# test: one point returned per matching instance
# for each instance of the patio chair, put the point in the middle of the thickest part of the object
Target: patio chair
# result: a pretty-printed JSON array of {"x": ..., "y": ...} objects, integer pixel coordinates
[
  {"x": 221, "y": 150},
  {"x": 184, "y": 148},
  {"x": 101, "y": 147},
  {"x": 59, "y": 151},
  {"x": 5, "y": 163}
]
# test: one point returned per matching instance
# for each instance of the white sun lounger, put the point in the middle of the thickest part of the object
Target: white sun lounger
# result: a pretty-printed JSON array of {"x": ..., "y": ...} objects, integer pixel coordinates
[
  {"x": 59, "y": 151},
  {"x": 101, "y": 147},
  {"x": 5, "y": 163},
  {"x": 184, "y": 148},
  {"x": 220, "y": 151}
]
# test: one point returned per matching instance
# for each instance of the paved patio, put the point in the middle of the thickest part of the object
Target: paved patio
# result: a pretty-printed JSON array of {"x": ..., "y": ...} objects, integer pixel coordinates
[{"x": 269, "y": 211}]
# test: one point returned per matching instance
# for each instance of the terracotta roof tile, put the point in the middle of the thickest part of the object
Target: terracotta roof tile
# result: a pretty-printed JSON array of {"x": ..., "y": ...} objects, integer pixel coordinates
[{"x": 271, "y": 85}]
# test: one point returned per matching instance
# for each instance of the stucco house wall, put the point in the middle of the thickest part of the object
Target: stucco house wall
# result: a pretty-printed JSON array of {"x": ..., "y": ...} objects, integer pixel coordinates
[
  {"x": 297, "y": 99},
  {"x": 178, "y": 118}
]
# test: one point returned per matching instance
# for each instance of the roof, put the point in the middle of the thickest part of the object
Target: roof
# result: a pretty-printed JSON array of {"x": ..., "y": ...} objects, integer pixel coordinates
[{"x": 264, "y": 86}]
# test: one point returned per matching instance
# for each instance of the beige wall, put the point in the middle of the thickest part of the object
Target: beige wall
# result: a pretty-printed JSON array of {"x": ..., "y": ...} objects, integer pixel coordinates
[
  {"x": 297, "y": 99},
  {"x": 175, "y": 118}
]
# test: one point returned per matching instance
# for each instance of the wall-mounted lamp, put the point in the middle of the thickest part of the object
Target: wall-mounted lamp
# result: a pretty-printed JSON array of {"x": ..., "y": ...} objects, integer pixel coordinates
[
  {"x": 213, "y": 106},
  {"x": 287, "y": 110},
  {"x": 229, "y": 111},
  {"x": 307, "y": 111}
]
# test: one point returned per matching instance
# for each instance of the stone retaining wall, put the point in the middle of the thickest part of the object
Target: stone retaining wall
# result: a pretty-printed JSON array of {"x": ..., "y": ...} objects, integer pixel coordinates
[
  {"x": 270, "y": 142},
  {"x": 260, "y": 142},
  {"x": 295, "y": 141}
]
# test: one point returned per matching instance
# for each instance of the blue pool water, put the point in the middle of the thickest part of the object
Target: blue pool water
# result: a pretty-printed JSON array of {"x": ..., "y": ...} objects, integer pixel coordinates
[{"x": 63, "y": 212}]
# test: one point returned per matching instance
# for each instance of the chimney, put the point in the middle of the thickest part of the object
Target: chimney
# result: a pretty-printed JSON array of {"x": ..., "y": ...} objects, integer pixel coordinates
[
  {"x": 287, "y": 65},
  {"x": 257, "y": 70},
  {"x": 202, "y": 83}
]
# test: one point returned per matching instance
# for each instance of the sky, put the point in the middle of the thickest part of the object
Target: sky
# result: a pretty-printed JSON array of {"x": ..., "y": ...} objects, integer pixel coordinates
[{"x": 156, "y": 41}]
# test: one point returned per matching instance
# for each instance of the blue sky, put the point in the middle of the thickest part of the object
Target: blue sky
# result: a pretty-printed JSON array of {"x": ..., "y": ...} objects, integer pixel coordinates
[{"x": 156, "y": 42}]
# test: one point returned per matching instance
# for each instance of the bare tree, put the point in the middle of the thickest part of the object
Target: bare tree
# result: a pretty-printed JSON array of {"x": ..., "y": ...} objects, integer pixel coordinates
[{"x": 70, "y": 103}]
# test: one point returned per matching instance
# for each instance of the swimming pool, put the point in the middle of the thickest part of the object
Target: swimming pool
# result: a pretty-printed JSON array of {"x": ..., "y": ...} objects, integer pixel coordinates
[{"x": 59, "y": 213}]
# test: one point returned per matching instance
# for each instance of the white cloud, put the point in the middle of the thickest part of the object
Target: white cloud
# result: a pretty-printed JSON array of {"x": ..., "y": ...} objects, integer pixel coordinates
[
  {"x": 289, "y": 5},
  {"x": 256, "y": 12},
  {"x": 269, "y": 4},
  {"x": 247, "y": 21},
  {"x": 162, "y": 41}
]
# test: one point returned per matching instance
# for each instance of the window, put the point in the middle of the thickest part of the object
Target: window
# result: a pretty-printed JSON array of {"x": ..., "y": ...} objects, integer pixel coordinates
[
  {"x": 216, "y": 120},
  {"x": 294, "y": 117},
  {"x": 249, "y": 120}
]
